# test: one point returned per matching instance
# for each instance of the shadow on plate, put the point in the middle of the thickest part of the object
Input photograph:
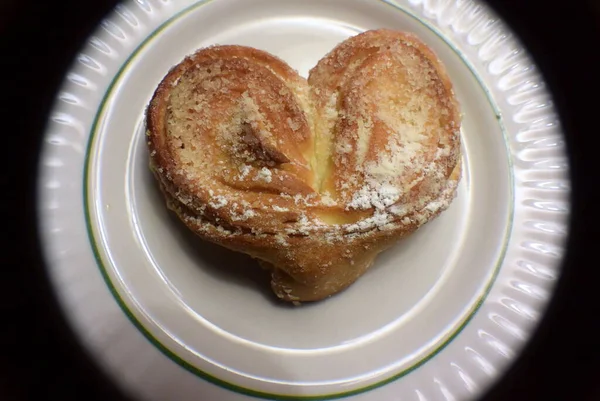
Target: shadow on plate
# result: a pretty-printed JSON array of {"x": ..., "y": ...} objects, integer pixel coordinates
[
  {"x": 224, "y": 264},
  {"x": 221, "y": 263}
]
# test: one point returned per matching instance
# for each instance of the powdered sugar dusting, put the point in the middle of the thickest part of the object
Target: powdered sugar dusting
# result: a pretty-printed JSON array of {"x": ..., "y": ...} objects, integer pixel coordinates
[
  {"x": 327, "y": 200},
  {"x": 264, "y": 174},
  {"x": 281, "y": 240},
  {"x": 435, "y": 206},
  {"x": 379, "y": 219},
  {"x": 374, "y": 194},
  {"x": 218, "y": 202},
  {"x": 244, "y": 171}
]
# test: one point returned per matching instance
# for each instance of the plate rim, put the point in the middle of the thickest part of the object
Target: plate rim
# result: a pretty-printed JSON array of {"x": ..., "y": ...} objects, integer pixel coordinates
[{"x": 94, "y": 242}]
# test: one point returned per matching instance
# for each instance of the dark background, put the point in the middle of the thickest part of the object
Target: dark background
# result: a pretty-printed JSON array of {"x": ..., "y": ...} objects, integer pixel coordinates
[{"x": 40, "y": 358}]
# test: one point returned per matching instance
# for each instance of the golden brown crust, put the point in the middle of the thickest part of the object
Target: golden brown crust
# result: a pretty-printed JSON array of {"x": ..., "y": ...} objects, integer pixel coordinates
[{"x": 313, "y": 178}]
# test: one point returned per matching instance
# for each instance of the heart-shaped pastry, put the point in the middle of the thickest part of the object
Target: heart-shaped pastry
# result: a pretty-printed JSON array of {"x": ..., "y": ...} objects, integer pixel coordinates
[{"x": 314, "y": 177}]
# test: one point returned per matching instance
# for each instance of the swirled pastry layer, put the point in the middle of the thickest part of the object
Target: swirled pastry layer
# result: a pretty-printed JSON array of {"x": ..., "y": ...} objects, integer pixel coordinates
[{"x": 314, "y": 177}]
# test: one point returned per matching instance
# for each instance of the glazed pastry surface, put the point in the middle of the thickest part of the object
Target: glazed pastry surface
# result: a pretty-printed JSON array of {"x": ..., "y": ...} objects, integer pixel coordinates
[{"x": 315, "y": 177}]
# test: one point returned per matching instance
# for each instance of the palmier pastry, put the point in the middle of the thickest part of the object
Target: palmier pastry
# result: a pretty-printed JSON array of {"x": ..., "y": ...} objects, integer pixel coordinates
[{"x": 314, "y": 177}]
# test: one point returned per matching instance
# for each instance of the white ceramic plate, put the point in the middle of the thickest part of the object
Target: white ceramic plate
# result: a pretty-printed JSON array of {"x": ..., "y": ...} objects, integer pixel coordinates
[{"x": 170, "y": 317}]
